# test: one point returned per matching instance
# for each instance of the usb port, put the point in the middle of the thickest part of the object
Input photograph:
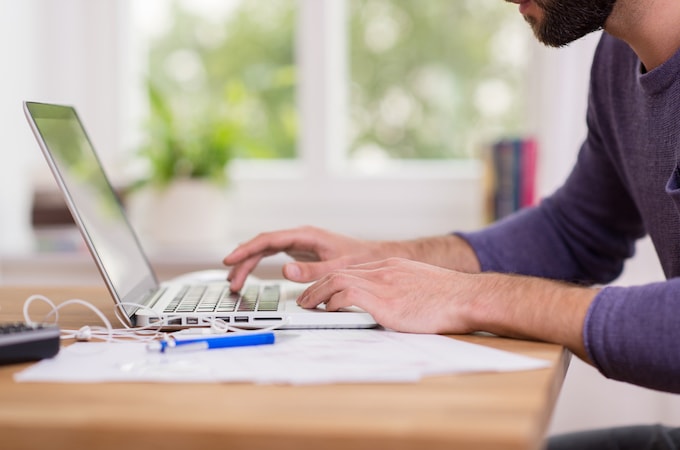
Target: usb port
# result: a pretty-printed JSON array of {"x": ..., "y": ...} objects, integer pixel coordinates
[
  {"x": 192, "y": 320},
  {"x": 241, "y": 319}
]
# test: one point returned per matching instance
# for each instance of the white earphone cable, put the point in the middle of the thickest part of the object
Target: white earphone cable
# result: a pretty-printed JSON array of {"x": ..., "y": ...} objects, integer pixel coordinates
[{"x": 109, "y": 334}]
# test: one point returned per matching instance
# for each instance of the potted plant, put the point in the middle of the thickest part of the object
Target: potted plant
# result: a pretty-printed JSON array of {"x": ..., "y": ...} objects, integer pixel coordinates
[{"x": 181, "y": 202}]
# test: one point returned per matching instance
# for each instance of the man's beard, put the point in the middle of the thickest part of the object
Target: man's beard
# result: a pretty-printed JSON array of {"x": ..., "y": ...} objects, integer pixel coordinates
[{"x": 565, "y": 21}]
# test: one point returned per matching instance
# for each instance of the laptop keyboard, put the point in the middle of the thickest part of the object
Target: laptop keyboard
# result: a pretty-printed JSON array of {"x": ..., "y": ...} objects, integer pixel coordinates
[{"x": 207, "y": 299}]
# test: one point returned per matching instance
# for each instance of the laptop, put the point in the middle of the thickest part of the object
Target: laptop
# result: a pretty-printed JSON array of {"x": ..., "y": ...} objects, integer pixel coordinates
[{"x": 125, "y": 268}]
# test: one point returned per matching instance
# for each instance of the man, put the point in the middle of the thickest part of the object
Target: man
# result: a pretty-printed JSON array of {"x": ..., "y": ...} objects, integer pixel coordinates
[{"x": 533, "y": 275}]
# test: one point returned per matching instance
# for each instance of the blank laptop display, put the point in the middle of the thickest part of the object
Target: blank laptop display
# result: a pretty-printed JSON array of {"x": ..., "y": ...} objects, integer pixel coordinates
[{"x": 101, "y": 219}]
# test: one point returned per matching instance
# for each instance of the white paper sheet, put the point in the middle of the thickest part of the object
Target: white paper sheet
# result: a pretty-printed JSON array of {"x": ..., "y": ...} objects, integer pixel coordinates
[{"x": 297, "y": 357}]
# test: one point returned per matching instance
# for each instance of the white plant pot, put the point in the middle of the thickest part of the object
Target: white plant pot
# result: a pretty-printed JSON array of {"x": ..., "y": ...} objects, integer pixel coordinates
[{"x": 186, "y": 216}]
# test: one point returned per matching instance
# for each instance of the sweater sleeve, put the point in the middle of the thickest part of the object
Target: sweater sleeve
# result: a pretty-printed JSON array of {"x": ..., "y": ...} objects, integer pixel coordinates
[{"x": 631, "y": 334}]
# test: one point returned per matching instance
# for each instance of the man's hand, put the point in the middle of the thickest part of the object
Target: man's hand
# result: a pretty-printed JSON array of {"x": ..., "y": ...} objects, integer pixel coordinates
[
  {"x": 400, "y": 294},
  {"x": 412, "y": 296},
  {"x": 427, "y": 285},
  {"x": 317, "y": 252}
]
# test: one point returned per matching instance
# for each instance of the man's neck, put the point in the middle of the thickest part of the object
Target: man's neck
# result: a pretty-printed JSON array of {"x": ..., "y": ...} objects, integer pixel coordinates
[{"x": 650, "y": 27}]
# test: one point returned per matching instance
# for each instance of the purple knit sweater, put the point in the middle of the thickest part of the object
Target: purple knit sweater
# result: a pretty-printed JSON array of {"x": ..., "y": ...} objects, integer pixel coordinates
[{"x": 625, "y": 184}]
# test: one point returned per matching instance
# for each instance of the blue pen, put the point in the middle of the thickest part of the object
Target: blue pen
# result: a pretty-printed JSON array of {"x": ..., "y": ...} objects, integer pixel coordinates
[{"x": 206, "y": 343}]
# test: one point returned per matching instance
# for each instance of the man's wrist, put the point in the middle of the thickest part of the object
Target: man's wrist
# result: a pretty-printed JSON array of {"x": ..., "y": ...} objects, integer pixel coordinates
[
  {"x": 448, "y": 251},
  {"x": 533, "y": 308}
]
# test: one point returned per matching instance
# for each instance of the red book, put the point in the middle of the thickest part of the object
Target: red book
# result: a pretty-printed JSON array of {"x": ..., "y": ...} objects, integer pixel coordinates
[{"x": 528, "y": 172}]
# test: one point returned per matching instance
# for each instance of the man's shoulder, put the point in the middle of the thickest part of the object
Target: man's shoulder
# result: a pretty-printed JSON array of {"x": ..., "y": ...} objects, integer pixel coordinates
[{"x": 613, "y": 58}]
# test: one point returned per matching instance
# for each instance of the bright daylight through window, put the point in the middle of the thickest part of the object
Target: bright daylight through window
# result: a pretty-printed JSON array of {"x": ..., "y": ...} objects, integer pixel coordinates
[{"x": 425, "y": 80}]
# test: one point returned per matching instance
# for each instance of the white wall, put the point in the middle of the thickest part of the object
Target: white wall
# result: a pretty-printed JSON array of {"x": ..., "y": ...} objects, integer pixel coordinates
[
  {"x": 558, "y": 91},
  {"x": 18, "y": 75},
  {"x": 69, "y": 52}
]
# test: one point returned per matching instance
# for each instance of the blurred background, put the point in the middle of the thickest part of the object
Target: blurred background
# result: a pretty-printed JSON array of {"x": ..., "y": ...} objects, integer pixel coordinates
[{"x": 367, "y": 117}]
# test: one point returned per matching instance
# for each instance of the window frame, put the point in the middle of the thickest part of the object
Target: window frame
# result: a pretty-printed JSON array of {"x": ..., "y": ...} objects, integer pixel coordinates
[{"x": 407, "y": 199}]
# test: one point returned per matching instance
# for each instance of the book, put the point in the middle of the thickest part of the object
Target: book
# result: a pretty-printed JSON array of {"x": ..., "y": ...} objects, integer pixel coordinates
[{"x": 510, "y": 178}]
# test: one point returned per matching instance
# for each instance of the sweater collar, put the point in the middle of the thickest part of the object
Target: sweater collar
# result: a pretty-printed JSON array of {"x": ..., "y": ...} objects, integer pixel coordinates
[{"x": 660, "y": 78}]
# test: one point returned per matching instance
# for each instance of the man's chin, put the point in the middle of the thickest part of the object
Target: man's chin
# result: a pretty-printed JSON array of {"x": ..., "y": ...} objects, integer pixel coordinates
[{"x": 540, "y": 33}]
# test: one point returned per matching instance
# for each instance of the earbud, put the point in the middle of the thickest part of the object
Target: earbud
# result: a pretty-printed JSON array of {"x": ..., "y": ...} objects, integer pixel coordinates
[{"x": 84, "y": 334}]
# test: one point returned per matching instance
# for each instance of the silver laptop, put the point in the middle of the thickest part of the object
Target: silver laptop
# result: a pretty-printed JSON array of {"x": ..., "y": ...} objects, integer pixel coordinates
[{"x": 98, "y": 213}]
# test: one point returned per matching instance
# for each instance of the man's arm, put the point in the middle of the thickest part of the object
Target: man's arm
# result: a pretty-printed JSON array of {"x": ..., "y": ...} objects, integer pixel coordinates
[
  {"x": 535, "y": 308},
  {"x": 449, "y": 251}
]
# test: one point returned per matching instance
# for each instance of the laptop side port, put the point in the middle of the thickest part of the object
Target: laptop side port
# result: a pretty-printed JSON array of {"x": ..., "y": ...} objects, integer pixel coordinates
[
  {"x": 241, "y": 319},
  {"x": 192, "y": 320}
]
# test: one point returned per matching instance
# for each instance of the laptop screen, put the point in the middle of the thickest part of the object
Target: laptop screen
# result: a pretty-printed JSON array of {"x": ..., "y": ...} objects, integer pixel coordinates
[{"x": 94, "y": 205}]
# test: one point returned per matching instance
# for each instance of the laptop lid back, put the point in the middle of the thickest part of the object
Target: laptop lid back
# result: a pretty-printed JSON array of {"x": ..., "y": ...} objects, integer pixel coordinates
[{"x": 95, "y": 207}]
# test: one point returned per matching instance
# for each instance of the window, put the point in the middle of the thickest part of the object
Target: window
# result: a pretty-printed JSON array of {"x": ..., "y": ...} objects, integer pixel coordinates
[
  {"x": 94, "y": 55},
  {"x": 432, "y": 80},
  {"x": 422, "y": 76},
  {"x": 228, "y": 62},
  {"x": 365, "y": 116},
  {"x": 314, "y": 148}
]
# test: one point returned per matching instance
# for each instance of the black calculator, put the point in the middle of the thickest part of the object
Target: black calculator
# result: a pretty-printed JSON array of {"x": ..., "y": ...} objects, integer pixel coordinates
[{"x": 21, "y": 342}]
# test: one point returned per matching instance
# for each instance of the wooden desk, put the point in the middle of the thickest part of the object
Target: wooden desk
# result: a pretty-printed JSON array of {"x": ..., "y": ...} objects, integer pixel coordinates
[{"x": 479, "y": 411}]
